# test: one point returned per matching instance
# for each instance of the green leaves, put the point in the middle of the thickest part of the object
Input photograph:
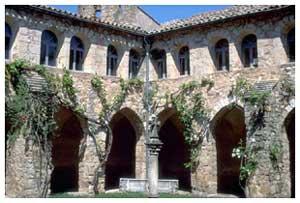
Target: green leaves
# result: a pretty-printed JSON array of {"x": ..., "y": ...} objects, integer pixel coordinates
[
  {"x": 248, "y": 160},
  {"x": 275, "y": 152}
]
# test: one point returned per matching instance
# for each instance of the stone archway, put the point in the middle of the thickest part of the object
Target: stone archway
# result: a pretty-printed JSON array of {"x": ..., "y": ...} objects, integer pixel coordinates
[
  {"x": 289, "y": 125},
  {"x": 174, "y": 152},
  {"x": 229, "y": 129},
  {"x": 65, "y": 148},
  {"x": 122, "y": 159}
]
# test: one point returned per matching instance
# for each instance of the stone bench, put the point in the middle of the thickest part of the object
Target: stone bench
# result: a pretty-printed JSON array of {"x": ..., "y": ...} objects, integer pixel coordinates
[{"x": 140, "y": 185}]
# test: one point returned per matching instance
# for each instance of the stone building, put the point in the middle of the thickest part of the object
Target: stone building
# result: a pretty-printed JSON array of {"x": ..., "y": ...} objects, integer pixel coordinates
[{"x": 253, "y": 42}]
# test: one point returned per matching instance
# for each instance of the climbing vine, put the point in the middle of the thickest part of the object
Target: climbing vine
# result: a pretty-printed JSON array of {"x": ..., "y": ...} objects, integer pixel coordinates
[
  {"x": 31, "y": 113},
  {"x": 189, "y": 104},
  {"x": 258, "y": 103},
  {"x": 108, "y": 108}
]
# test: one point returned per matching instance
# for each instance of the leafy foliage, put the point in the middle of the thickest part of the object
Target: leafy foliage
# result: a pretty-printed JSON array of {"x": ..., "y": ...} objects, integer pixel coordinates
[
  {"x": 275, "y": 152},
  {"x": 31, "y": 114},
  {"x": 248, "y": 160},
  {"x": 189, "y": 103}
]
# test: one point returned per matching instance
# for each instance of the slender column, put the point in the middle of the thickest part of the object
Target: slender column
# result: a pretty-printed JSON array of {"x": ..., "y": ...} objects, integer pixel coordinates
[{"x": 154, "y": 146}]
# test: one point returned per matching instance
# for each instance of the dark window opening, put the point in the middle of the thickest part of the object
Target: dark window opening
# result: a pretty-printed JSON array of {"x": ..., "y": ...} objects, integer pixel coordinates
[
  {"x": 291, "y": 44},
  {"x": 112, "y": 59},
  {"x": 76, "y": 54},
  {"x": 8, "y": 38},
  {"x": 249, "y": 51},
  {"x": 48, "y": 48},
  {"x": 159, "y": 57},
  {"x": 98, "y": 14},
  {"x": 184, "y": 61},
  {"x": 134, "y": 63},
  {"x": 222, "y": 54}
]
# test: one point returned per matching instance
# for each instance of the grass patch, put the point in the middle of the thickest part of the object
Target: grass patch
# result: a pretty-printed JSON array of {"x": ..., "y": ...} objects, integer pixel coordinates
[{"x": 119, "y": 195}]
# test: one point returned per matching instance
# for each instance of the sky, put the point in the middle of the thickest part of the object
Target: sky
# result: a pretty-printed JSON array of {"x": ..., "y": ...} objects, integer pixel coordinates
[{"x": 163, "y": 13}]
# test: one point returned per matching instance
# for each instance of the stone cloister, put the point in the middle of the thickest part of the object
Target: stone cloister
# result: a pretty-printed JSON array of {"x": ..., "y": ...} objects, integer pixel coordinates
[{"x": 74, "y": 155}]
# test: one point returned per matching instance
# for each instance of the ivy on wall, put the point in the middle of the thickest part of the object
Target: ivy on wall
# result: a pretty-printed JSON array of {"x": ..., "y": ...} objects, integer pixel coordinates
[
  {"x": 108, "y": 108},
  {"x": 31, "y": 114}
]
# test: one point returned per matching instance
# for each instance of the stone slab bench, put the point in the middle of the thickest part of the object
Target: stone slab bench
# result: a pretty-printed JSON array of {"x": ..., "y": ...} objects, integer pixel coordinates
[{"x": 140, "y": 185}]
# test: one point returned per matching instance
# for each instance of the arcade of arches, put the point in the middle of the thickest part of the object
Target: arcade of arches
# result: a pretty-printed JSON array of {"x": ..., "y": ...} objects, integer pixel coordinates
[{"x": 228, "y": 129}]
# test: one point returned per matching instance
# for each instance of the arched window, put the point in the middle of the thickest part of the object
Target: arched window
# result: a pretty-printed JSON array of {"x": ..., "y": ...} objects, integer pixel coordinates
[
  {"x": 48, "y": 48},
  {"x": 112, "y": 59},
  {"x": 159, "y": 57},
  {"x": 134, "y": 62},
  {"x": 249, "y": 50},
  {"x": 184, "y": 61},
  {"x": 8, "y": 37},
  {"x": 76, "y": 54},
  {"x": 291, "y": 44},
  {"x": 222, "y": 55},
  {"x": 98, "y": 13}
]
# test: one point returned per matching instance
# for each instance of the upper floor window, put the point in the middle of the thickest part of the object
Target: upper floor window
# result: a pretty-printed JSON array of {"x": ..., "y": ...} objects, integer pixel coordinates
[
  {"x": 222, "y": 55},
  {"x": 291, "y": 44},
  {"x": 184, "y": 61},
  {"x": 76, "y": 54},
  {"x": 48, "y": 48},
  {"x": 8, "y": 39},
  {"x": 134, "y": 62},
  {"x": 249, "y": 51},
  {"x": 112, "y": 59},
  {"x": 159, "y": 57},
  {"x": 98, "y": 13}
]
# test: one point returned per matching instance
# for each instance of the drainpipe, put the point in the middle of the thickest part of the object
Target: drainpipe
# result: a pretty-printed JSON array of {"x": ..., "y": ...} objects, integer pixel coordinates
[{"x": 146, "y": 90}]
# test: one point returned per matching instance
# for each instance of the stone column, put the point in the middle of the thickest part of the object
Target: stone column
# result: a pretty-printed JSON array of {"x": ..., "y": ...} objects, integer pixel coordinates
[{"x": 154, "y": 147}]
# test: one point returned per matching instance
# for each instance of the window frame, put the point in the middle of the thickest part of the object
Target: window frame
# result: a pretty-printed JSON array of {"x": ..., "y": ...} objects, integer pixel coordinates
[
  {"x": 222, "y": 55},
  {"x": 184, "y": 60},
  {"x": 8, "y": 41},
  {"x": 134, "y": 63},
  {"x": 250, "y": 51},
  {"x": 76, "y": 54},
  {"x": 112, "y": 61},
  {"x": 49, "y": 45}
]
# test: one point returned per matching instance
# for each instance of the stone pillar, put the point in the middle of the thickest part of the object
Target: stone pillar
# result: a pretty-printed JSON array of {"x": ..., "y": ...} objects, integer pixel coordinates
[{"x": 154, "y": 148}]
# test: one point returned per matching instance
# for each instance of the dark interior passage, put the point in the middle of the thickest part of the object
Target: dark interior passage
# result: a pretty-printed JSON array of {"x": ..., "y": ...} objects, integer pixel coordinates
[
  {"x": 290, "y": 129},
  {"x": 121, "y": 160},
  {"x": 229, "y": 130},
  {"x": 65, "y": 148},
  {"x": 174, "y": 153}
]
